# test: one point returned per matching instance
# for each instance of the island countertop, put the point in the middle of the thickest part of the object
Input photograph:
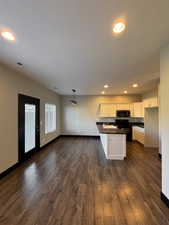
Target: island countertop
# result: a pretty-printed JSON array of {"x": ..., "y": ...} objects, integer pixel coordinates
[{"x": 103, "y": 130}]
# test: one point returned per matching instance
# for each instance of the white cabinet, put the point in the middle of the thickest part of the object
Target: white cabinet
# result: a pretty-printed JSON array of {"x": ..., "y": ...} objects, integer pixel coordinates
[
  {"x": 114, "y": 146},
  {"x": 131, "y": 110},
  {"x": 138, "y": 109},
  {"x": 123, "y": 106},
  {"x": 150, "y": 102},
  {"x": 138, "y": 134},
  {"x": 107, "y": 110}
]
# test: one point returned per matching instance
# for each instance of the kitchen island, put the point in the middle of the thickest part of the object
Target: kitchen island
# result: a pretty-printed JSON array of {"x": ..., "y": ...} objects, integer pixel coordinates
[{"x": 113, "y": 141}]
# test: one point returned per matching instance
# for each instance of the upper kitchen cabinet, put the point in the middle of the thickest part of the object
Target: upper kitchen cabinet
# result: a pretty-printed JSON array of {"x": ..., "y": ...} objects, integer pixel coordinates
[
  {"x": 150, "y": 102},
  {"x": 138, "y": 109},
  {"x": 126, "y": 106},
  {"x": 123, "y": 106},
  {"x": 110, "y": 109},
  {"x": 107, "y": 110},
  {"x": 150, "y": 99}
]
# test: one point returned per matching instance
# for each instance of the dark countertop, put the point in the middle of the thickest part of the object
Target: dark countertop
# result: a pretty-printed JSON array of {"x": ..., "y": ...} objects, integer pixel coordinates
[
  {"x": 103, "y": 130},
  {"x": 139, "y": 124}
]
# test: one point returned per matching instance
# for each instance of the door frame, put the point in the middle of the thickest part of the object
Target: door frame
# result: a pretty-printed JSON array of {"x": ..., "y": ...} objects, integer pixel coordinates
[{"x": 22, "y": 100}]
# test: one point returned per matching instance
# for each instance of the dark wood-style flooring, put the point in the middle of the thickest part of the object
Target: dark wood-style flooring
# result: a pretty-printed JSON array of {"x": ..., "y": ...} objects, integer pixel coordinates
[{"x": 71, "y": 183}]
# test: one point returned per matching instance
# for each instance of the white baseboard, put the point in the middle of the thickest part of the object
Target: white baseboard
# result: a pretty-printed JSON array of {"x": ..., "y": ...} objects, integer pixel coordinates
[
  {"x": 151, "y": 146},
  {"x": 116, "y": 157}
]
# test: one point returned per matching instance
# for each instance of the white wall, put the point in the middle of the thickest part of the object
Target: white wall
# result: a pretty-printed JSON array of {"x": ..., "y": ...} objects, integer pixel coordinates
[
  {"x": 12, "y": 83},
  {"x": 81, "y": 119},
  {"x": 164, "y": 117},
  {"x": 159, "y": 113}
]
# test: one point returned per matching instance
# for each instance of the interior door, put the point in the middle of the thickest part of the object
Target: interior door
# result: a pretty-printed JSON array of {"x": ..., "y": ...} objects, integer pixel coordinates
[{"x": 28, "y": 126}]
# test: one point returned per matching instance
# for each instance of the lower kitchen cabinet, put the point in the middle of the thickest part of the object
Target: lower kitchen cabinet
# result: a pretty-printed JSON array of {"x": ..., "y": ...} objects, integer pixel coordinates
[
  {"x": 138, "y": 134},
  {"x": 114, "y": 146}
]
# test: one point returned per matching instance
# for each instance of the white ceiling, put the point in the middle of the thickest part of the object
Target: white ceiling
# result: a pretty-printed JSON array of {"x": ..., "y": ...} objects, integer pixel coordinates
[{"x": 69, "y": 43}]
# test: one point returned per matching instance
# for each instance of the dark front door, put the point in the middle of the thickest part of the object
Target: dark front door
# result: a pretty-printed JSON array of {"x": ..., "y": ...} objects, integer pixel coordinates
[{"x": 28, "y": 126}]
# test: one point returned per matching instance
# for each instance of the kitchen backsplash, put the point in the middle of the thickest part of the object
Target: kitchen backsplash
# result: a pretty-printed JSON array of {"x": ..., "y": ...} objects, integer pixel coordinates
[{"x": 112, "y": 119}]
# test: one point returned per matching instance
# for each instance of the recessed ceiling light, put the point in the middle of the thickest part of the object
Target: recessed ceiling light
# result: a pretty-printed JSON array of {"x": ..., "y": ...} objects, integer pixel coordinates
[
  {"x": 135, "y": 85},
  {"x": 103, "y": 92},
  {"x": 106, "y": 86},
  {"x": 125, "y": 92},
  {"x": 118, "y": 26},
  {"x": 8, "y": 35}
]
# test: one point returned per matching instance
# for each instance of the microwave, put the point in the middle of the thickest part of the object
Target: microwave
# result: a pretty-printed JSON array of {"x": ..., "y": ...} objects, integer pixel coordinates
[{"x": 123, "y": 113}]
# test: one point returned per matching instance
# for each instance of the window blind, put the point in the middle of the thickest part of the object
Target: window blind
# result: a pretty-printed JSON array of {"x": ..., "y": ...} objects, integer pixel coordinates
[{"x": 50, "y": 118}]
